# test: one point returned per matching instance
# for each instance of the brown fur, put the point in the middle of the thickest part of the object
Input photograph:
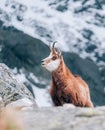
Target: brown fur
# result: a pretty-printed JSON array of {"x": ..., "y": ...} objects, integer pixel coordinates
[{"x": 69, "y": 88}]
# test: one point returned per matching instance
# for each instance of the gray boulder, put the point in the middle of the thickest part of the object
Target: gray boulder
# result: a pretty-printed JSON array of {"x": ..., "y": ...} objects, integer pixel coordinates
[{"x": 12, "y": 91}]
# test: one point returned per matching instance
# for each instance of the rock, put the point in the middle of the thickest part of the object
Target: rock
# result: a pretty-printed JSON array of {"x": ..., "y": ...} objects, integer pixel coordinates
[
  {"x": 64, "y": 118},
  {"x": 11, "y": 90},
  {"x": 22, "y": 51},
  {"x": 55, "y": 118},
  {"x": 1, "y": 103}
]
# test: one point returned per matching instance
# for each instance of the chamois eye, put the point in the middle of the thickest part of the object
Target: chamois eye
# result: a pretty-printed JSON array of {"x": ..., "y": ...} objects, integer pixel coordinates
[{"x": 54, "y": 58}]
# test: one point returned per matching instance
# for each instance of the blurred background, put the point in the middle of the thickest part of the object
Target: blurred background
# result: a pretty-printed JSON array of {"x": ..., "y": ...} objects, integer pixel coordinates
[{"x": 27, "y": 27}]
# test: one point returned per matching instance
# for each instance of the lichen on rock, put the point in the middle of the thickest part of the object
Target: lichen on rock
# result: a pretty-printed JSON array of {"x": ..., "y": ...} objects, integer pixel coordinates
[{"x": 12, "y": 90}]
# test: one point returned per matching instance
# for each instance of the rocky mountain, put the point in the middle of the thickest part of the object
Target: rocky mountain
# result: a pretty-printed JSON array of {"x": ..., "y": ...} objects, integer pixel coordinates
[{"x": 78, "y": 25}]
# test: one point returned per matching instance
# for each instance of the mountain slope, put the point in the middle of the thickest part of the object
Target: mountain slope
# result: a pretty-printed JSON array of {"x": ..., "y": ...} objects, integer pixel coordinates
[{"x": 78, "y": 25}]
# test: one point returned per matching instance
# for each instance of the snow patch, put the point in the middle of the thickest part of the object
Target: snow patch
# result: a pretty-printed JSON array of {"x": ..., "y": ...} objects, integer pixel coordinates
[{"x": 42, "y": 97}]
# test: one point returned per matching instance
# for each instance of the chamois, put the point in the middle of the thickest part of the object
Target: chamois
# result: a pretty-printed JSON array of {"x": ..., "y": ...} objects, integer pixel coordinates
[{"x": 65, "y": 87}]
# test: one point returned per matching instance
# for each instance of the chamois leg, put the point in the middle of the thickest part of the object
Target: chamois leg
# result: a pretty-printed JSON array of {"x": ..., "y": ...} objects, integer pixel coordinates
[
  {"x": 89, "y": 104},
  {"x": 53, "y": 97},
  {"x": 56, "y": 101}
]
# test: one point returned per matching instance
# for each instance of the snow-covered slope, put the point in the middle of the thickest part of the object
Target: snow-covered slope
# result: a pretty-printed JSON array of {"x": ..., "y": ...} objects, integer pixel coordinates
[{"x": 78, "y": 26}]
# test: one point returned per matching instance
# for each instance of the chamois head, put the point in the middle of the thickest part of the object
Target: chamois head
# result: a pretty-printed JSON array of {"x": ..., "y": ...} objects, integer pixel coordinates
[{"x": 52, "y": 62}]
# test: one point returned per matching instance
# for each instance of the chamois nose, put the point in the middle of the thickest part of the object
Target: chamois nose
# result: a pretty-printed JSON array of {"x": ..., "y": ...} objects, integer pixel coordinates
[{"x": 42, "y": 61}]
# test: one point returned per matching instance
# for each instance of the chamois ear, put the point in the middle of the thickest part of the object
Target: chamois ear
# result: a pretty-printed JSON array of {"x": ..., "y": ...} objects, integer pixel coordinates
[
  {"x": 53, "y": 50},
  {"x": 50, "y": 46},
  {"x": 59, "y": 51}
]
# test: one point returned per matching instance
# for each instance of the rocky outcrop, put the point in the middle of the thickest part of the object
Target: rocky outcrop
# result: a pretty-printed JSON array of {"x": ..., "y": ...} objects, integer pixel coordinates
[
  {"x": 64, "y": 118},
  {"x": 12, "y": 92}
]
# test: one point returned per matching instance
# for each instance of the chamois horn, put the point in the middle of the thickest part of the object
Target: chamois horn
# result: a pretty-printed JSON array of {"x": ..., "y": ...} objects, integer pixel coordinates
[
  {"x": 54, "y": 44},
  {"x": 58, "y": 50}
]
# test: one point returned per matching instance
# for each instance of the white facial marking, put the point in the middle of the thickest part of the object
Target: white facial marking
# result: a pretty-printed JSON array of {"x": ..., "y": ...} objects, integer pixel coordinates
[{"x": 52, "y": 65}]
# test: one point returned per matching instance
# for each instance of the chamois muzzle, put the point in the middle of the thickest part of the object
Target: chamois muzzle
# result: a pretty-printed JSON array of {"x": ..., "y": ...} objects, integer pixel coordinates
[{"x": 42, "y": 63}]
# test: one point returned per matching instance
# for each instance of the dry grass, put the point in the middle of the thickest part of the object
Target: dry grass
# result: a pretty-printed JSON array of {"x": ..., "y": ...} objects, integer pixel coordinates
[{"x": 9, "y": 120}]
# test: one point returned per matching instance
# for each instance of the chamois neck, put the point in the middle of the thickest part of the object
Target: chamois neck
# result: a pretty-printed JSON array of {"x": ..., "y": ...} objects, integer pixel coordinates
[{"x": 62, "y": 69}]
